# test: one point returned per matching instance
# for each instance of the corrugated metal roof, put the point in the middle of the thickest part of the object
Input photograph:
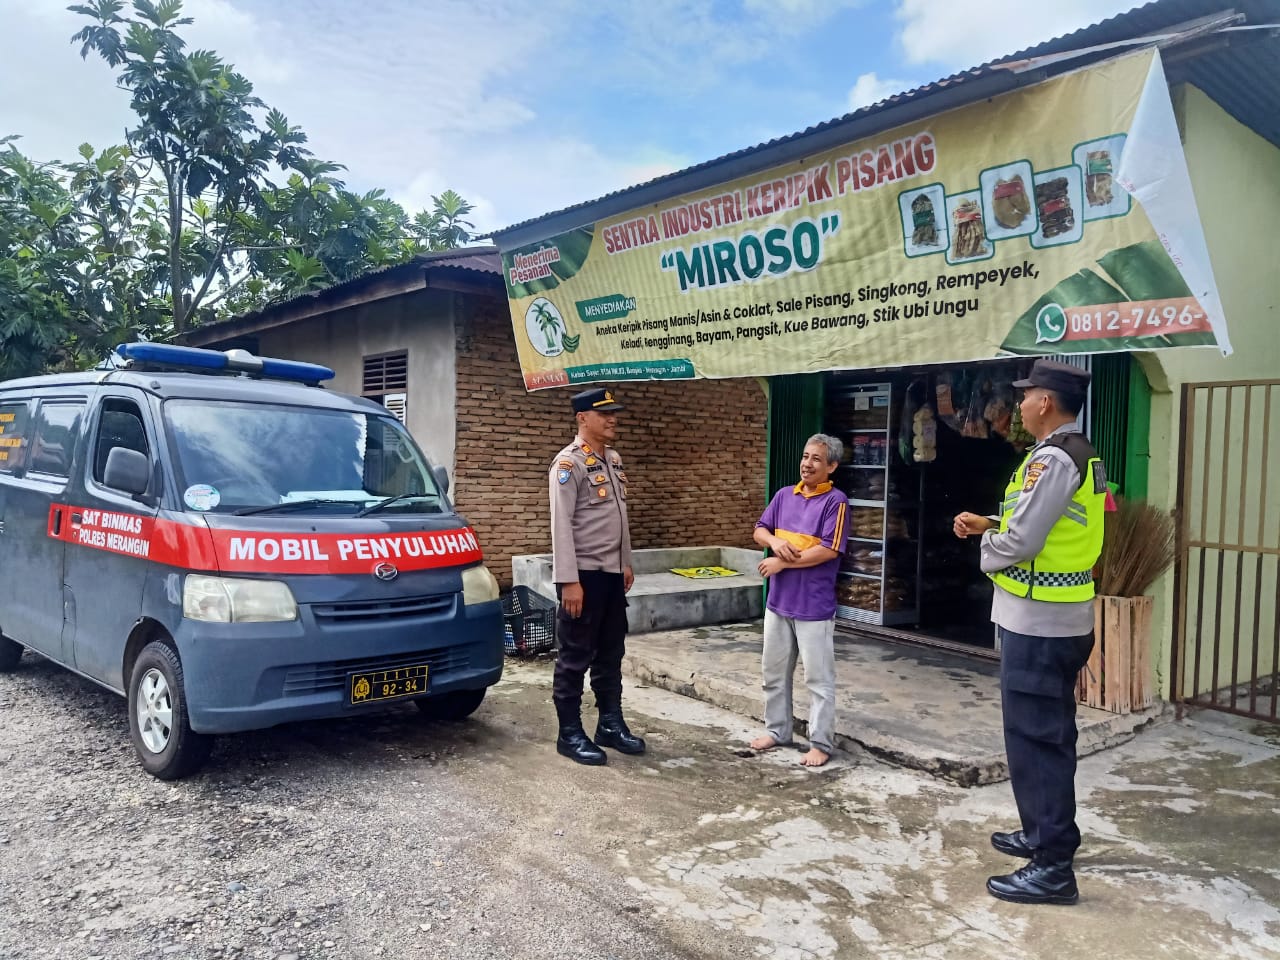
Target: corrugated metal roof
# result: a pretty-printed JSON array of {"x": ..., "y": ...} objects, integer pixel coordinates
[
  {"x": 483, "y": 259},
  {"x": 1242, "y": 74}
]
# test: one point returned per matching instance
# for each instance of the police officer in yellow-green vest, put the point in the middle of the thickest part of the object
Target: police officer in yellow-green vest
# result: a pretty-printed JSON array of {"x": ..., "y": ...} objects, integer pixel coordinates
[{"x": 1040, "y": 555}]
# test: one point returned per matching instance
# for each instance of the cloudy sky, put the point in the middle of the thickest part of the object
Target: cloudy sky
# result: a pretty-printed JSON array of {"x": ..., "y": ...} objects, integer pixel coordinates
[{"x": 526, "y": 106}]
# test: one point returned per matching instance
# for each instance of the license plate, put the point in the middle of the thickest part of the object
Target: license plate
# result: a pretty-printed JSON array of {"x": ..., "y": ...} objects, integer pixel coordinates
[{"x": 377, "y": 685}]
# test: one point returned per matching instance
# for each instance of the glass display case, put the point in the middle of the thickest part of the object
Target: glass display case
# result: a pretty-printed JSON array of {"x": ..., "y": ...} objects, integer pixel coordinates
[{"x": 879, "y": 580}]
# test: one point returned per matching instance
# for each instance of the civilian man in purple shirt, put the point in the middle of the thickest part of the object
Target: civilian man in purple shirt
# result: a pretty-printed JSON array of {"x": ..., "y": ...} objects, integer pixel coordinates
[{"x": 806, "y": 528}]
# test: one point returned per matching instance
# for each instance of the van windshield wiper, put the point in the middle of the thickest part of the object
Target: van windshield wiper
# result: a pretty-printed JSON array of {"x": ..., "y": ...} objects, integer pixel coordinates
[
  {"x": 398, "y": 498},
  {"x": 293, "y": 505}
]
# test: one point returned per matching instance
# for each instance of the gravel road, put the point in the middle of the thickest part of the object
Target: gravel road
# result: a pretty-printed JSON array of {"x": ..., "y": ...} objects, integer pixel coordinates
[{"x": 381, "y": 835}]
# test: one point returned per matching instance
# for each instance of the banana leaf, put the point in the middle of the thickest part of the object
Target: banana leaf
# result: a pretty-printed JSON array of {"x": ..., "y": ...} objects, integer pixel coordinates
[
  {"x": 1145, "y": 272},
  {"x": 574, "y": 248}
]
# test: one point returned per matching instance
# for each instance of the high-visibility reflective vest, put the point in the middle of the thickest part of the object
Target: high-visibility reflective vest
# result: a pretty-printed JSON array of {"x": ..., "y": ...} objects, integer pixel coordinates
[{"x": 1063, "y": 570}]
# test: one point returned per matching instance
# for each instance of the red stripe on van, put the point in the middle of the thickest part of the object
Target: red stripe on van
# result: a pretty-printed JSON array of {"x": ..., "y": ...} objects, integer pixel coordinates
[{"x": 196, "y": 547}]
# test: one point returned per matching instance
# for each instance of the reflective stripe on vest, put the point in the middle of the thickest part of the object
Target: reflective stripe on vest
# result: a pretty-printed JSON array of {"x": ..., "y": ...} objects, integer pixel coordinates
[
  {"x": 1063, "y": 570},
  {"x": 1047, "y": 579}
]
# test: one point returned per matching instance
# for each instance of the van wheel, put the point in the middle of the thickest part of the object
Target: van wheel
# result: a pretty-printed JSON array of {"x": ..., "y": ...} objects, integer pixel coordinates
[
  {"x": 167, "y": 746},
  {"x": 457, "y": 705},
  {"x": 10, "y": 654}
]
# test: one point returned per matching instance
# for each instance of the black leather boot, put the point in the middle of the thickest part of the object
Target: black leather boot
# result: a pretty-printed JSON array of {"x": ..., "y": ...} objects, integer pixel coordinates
[
  {"x": 612, "y": 730},
  {"x": 573, "y": 741},
  {"x": 1040, "y": 881},
  {"x": 1013, "y": 844}
]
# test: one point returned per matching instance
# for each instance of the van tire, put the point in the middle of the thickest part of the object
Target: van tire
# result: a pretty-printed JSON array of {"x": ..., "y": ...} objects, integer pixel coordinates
[
  {"x": 453, "y": 706},
  {"x": 158, "y": 723},
  {"x": 10, "y": 654}
]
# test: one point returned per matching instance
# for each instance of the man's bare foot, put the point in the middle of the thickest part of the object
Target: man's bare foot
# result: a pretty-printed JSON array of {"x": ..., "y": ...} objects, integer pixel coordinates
[
  {"x": 763, "y": 743},
  {"x": 815, "y": 758}
]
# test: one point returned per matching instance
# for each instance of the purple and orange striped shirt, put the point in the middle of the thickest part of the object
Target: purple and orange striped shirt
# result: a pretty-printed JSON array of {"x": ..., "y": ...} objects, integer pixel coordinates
[{"x": 804, "y": 521}]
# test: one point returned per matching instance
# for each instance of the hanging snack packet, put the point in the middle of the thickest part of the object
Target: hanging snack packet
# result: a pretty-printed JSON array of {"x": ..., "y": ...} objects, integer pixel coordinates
[
  {"x": 924, "y": 433},
  {"x": 910, "y": 404},
  {"x": 945, "y": 407}
]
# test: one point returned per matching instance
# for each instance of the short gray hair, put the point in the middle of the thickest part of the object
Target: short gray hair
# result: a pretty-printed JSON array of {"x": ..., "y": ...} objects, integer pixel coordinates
[{"x": 835, "y": 449}]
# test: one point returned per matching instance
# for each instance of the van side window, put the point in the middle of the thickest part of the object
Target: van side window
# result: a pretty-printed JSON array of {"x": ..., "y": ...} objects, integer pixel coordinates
[
  {"x": 119, "y": 426},
  {"x": 54, "y": 437},
  {"x": 13, "y": 433}
]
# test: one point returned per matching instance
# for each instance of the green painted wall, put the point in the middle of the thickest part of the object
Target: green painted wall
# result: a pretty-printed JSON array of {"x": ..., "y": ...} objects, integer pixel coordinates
[{"x": 1236, "y": 178}]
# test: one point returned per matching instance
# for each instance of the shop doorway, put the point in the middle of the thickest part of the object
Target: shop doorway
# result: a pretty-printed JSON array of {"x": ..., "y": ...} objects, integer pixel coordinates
[
  {"x": 921, "y": 445},
  {"x": 906, "y": 576}
]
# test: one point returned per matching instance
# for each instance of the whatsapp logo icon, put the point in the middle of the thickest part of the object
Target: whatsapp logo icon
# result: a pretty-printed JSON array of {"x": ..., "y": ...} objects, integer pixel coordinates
[{"x": 1051, "y": 323}]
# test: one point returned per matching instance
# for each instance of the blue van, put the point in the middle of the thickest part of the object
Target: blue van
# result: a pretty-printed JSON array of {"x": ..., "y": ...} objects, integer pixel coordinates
[{"x": 230, "y": 546}]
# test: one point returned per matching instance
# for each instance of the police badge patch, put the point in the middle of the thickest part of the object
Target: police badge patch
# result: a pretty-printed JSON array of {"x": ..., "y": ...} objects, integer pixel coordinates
[{"x": 564, "y": 475}]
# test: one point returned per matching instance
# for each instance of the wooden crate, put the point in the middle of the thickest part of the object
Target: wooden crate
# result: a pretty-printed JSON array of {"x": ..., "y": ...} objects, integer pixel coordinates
[{"x": 1120, "y": 675}]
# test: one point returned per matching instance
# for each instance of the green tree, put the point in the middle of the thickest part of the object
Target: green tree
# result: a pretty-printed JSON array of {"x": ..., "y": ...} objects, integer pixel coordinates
[
  {"x": 42, "y": 321},
  {"x": 182, "y": 223},
  {"x": 197, "y": 131},
  {"x": 443, "y": 227}
]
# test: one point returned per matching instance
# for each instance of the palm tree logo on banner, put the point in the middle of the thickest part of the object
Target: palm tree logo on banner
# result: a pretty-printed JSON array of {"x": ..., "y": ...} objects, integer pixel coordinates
[{"x": 546, "y": 329}]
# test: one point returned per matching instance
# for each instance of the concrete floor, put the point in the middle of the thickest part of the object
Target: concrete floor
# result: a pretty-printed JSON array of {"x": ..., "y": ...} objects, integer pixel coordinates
[{"x": 918, "y": 707}]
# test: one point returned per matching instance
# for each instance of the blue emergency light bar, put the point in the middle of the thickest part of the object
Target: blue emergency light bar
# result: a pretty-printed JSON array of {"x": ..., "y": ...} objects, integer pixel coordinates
[{"x": 231, "y": 361}]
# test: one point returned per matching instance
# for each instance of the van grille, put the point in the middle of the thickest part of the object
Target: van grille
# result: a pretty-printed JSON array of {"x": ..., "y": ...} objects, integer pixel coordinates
[
  {"x": 321, "y": 677},
  {"x": 400, "y": 608}
]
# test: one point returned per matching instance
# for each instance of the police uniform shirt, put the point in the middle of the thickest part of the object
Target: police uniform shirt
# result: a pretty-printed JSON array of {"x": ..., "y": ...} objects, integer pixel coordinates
[
  {"x": 1041, "y": 506},
  {"x": 588, "y": 512}
]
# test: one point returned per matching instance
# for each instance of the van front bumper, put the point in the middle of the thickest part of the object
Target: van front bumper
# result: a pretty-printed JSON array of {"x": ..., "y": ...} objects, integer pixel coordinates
[{"x": 248, "y": 676}]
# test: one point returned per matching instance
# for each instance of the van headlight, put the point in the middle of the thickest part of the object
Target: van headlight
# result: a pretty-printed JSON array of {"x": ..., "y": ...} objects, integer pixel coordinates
[
  {"x": 478, "y": 585},
  {"x": 230, "y": 600}
]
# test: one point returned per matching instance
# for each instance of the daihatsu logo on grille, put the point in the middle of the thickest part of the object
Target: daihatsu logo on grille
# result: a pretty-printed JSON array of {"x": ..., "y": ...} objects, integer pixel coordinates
[{"x": 386, "y": 571}]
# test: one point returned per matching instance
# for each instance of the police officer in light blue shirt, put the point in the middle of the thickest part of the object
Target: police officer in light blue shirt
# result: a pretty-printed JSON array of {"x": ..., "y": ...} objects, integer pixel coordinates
[{"x": 591, "y": 567}]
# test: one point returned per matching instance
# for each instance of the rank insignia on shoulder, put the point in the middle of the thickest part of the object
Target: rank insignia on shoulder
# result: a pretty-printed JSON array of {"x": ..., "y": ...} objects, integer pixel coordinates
[
  {"x": 1034, "y": 470},
  {"x": 563, "y": 475}
]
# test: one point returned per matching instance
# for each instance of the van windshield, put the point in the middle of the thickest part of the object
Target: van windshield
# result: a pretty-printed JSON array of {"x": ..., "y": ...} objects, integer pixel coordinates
[{"x": 260, "y": 458}]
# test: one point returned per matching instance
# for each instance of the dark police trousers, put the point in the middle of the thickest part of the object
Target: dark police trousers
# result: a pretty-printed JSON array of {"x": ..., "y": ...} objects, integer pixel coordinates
[
  {"x": 1037, "y": 691},
  {"x": 595, "y": 640}
]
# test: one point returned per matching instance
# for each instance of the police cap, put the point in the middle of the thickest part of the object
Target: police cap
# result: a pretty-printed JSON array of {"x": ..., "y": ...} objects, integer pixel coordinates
[
  {"x": 598, "y": 399},
  {"x": 1058, "y": 377}
]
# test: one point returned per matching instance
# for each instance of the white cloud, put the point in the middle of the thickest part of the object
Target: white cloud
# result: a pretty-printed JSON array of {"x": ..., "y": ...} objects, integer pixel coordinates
[
  {"x": 965, "y": 33},
  {"x": 417, "y": 98},
  {"x": 869, "y": 89},
  {"x": 507, "y": 188}
]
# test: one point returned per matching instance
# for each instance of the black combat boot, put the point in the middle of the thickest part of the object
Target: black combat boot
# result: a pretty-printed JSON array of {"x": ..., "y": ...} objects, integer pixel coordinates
[
  {"x": 1043, "y": 880},
  {"x": 612, "y": 730},
  {"x": 573, "y": 741},
  {"x": 1013, "y": 844}
]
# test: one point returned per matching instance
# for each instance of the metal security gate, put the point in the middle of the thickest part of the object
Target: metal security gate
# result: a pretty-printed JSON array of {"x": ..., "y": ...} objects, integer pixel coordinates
[{"x": 1227, "y": 651}]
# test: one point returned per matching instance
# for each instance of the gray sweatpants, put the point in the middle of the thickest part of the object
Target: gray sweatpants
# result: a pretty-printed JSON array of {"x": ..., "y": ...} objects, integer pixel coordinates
[{"x": 813, "y": 640}]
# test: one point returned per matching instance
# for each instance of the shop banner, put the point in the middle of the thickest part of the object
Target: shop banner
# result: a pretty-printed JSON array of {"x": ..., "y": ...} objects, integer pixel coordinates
[{"x": 1055, "y": 219}]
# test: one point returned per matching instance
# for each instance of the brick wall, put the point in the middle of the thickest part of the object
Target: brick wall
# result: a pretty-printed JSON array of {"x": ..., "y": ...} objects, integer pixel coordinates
[{"x": 694, "y": 451}]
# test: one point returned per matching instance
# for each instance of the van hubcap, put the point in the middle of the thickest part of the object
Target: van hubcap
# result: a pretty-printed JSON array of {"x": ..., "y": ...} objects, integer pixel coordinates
[{"x": 155, "y": 711}]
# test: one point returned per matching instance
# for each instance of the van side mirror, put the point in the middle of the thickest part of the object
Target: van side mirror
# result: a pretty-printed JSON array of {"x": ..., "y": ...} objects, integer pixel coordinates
[
  {"x": 442, "y": 478},
  {"x": 127, "y": 470}
]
